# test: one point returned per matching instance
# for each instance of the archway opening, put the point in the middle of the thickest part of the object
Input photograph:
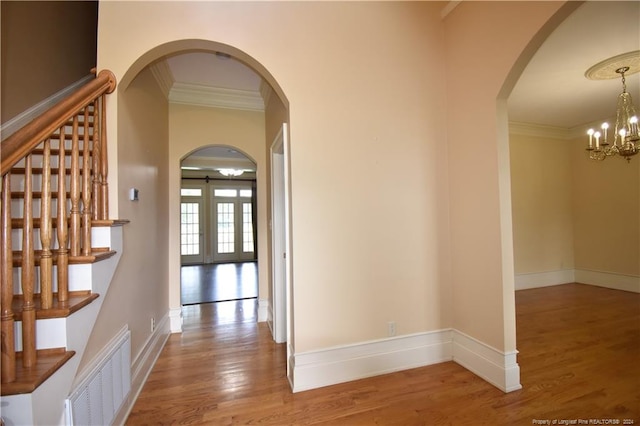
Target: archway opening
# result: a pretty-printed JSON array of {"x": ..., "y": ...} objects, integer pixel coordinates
[
  {"x": 242, "y": 123},
  {"x": 218, "y": 232}
]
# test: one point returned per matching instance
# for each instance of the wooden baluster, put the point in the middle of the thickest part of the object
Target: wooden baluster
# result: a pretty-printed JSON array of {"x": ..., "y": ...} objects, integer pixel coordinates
[
  {"x": 63, "y": 227},
  {"x": 86, "y": 187},
  {"x": 7, "y": 343},
  {"x": 104, "y": 196},
  {"x": 74, "y": 189},
  {"x": 28, "y": 269},
  {"x": 97, "y": 161},
  {"x": 46, "y": 261}
]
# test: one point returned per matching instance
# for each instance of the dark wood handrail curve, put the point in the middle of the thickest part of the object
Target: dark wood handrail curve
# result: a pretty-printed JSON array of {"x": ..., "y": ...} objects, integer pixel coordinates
[{"x": 23, "y": 141}]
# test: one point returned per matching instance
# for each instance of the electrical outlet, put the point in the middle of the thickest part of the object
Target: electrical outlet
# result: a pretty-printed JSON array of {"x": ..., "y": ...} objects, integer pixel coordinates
[
  {"x": 153, "y": 324},
  {"x": 391, "y": 328}
]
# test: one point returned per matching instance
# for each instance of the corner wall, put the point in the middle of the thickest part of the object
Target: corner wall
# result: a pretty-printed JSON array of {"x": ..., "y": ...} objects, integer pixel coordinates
[
  {"x": 606, "y": 206},
  {"x": 477, "y": 136},
  {"x": 575, "y": 219}
]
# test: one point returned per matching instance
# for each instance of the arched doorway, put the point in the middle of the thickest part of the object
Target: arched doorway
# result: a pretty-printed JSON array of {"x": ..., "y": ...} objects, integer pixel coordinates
[
  {"x": 240, "y": 125},
  {"x": 218, "y": 233}
]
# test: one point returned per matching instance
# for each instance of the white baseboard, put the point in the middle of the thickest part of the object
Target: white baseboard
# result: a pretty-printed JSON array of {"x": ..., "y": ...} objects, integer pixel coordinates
[
  {"x": 22, "y": 119},
  {"x": 175, "y": 319},
  {"x": 544, "y": 279},
  {"x": 496, "y": 367},
  {"x": 263, "y": 310},
  {"x": 346, "y": 363},
  {"x": 583, "y": 276},
  {"x": 609, "y": 280},
  {"x": 142, "y": 365}
]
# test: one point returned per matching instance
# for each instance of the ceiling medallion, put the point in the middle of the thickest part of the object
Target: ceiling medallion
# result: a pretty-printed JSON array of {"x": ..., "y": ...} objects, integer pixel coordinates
[{"x": 607, "y": 69}]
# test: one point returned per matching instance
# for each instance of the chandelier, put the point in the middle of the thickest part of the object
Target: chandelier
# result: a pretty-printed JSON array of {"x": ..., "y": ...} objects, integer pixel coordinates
[
  {"x": 625, "y": 138},
  {"x": 231, "y": 172}
]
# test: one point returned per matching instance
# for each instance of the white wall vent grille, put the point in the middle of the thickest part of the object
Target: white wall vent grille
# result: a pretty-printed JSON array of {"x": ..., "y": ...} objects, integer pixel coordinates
[{"x": 100, "y": 395}]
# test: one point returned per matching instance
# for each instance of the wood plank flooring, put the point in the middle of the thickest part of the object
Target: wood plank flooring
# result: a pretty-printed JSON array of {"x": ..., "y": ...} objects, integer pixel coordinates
[
  {"x": 579, "y": 358},
  {"x": 218, "y": 282}
]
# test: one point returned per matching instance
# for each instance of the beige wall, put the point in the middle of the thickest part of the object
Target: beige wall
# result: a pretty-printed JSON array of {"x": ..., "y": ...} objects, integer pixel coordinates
[
  {"x": 570, "y": 212},
  {"x": 542, "y": 194},
  {"x": 366, "y": 240},
  {"x": 36, "y": 36},
  {"x": 193, "y": 127},
  {"x": 139, "y": 289},
  {"x": 399, "y": 197},
  {"x": 606, "y": 206}
]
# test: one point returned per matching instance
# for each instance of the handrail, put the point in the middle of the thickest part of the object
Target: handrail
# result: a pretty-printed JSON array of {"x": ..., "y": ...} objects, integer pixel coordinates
[
  {"x": 23, "y": 141},
  {"x": 54, "y": 136}
]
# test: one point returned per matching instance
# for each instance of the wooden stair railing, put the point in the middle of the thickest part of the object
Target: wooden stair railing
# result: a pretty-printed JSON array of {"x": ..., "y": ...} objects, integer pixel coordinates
[{"x": 73, "y": 135}]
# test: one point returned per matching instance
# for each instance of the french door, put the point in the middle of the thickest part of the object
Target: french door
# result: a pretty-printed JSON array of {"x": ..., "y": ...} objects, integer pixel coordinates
[
  {"x": 192, "y": 248},
  {"x": 217, "y": 222},
  {"x": 232, "y": 223}
]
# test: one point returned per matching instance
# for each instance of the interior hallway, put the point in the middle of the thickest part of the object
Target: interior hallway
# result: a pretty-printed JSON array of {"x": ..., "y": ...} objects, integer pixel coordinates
[{"x": 578, "y": 346}]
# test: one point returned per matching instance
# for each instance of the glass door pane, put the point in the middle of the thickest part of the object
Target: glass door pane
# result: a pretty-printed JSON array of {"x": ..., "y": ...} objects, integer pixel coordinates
[
  {"x": 225, "y": 228},
  {"x": 191, "y": 236},
  {"x": 247, "y": 228}
]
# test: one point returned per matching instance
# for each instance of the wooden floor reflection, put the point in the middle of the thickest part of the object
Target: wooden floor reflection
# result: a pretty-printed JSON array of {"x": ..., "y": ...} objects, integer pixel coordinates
[
  {"x": 218, "y": 282},
  {"x": 206, "y": 315},
  {"x": 578, "y": 356}
]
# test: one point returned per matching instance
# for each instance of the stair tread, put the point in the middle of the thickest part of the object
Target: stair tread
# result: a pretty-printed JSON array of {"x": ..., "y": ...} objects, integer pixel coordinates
[
  {"x": 97, "y": 254},
  {"x": 28, "y": 379},
  {"x": 77, "y": 300}
]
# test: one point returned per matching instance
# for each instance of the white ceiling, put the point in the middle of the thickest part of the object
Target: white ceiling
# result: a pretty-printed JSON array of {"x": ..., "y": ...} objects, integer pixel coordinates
[
  {"x": 552, "y": 90},
  {"x": 214, "y": 70}
]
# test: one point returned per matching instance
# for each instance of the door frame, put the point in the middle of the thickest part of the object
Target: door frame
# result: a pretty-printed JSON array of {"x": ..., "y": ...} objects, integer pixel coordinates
[{"x": 280, "y": 318}]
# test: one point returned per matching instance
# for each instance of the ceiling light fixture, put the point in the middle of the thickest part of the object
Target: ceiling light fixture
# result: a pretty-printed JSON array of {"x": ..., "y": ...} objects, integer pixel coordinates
[
  {"x": 625, "y": 133},
  {"x": 230, "y": 172}
]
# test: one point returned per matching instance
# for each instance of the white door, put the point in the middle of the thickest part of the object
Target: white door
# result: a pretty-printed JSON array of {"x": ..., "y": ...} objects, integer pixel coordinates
[{"x": 191, "y": 225}]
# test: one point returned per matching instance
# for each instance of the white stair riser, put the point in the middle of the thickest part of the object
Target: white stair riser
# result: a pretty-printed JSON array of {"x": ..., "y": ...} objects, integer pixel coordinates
[
  {"x": 80, "y": 278},
  {"x": 50, "y": 333},
  {"x": 100, "y": 237}
]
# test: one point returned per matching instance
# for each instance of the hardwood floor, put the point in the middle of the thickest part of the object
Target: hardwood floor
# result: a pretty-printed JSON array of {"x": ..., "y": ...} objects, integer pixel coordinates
[
  {"x": 218, "y": 282},
  {"x": 579, "y": 358}
]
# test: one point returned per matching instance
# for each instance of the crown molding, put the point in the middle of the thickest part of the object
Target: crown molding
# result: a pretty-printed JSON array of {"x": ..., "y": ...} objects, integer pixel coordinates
[
  {"x": 553, "y": 132},
  {"x": 539, "y": 130},
  {"x": 265, "y": 92},
  {"x": 201, "y": 95},
  {"x": 214, "y": 163},
  {"x": 162, "y": 73}
]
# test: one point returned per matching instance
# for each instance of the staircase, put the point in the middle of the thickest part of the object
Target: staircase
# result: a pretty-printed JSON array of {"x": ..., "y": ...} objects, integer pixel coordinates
[{"x": 59, "y": 251}]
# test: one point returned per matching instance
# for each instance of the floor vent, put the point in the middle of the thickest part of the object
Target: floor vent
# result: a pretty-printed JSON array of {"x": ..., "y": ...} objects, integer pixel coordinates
[{"x": 100, "y": 395}]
